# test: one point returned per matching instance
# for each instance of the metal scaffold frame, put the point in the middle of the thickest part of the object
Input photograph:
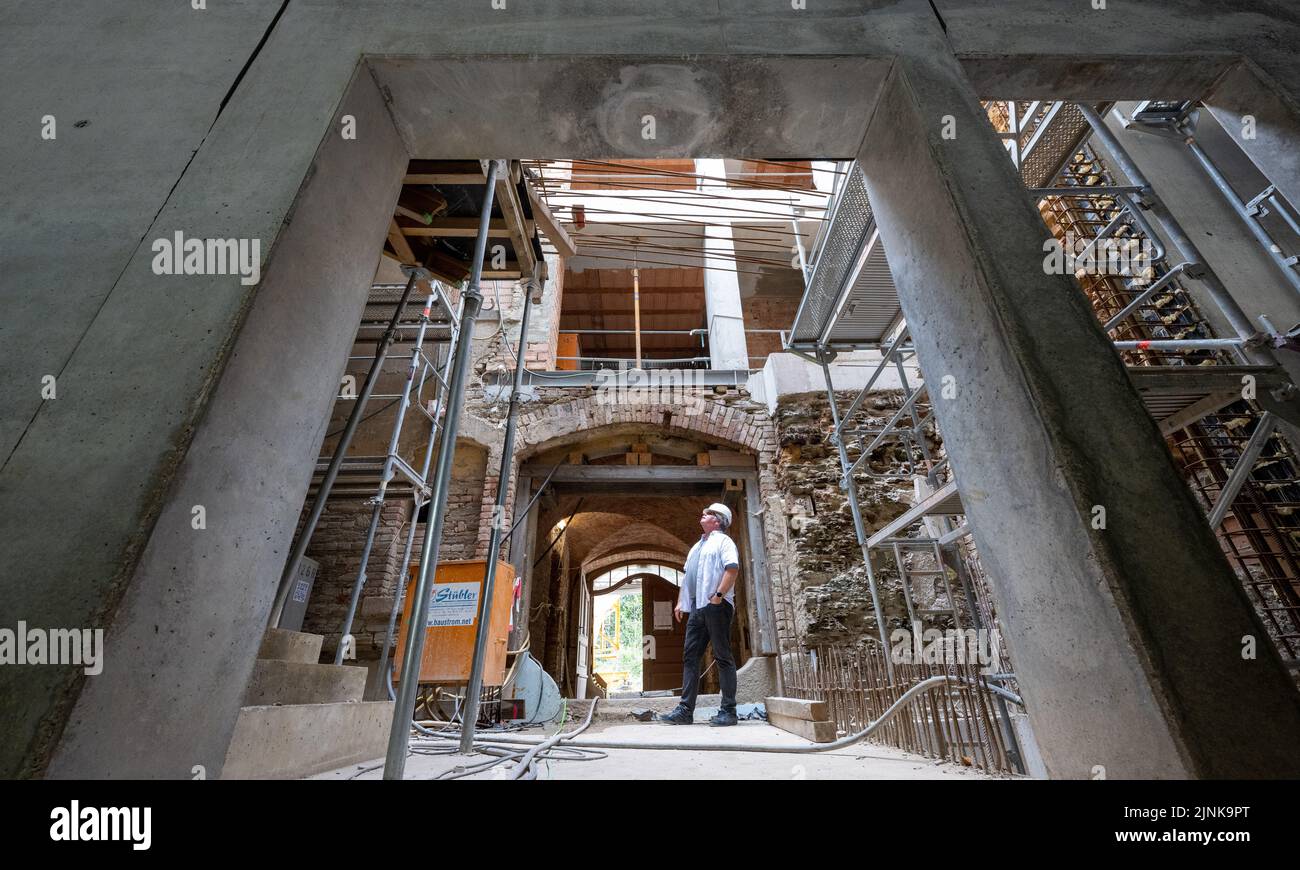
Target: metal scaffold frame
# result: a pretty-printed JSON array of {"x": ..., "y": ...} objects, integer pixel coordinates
[
  {"x": 849, "y": 313},
  {"x": 358, "y": 473}
]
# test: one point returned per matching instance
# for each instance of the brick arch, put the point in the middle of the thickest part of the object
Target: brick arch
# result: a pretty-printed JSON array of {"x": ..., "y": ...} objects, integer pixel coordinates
[
  {"x": 583, "y": 418},
  {"x": 640, "y": 536}
]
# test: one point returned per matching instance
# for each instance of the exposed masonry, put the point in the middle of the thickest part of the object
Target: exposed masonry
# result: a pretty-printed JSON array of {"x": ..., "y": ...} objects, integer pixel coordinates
[{"x": 556, "y": 416}]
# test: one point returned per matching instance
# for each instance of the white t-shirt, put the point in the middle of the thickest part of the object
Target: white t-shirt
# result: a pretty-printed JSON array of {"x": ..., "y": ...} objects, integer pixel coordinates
[{"x": 707, "y": 561}]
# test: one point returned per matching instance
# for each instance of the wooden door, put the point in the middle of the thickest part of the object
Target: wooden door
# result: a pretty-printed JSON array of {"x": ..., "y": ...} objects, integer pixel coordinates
[
  {"x": 661, "y": 666},
  {"x": 583, "y": 654}
]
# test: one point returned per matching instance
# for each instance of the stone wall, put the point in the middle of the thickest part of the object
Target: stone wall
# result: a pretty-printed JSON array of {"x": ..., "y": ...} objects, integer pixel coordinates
[{"x": 825, "y": 581}]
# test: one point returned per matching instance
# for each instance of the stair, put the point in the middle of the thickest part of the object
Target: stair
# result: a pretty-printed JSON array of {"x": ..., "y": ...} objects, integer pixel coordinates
[{"x": 301, "y": 718}]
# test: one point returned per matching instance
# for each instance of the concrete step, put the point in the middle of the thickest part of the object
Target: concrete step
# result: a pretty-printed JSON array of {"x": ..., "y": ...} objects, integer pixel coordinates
[
  {"x": 297, "y": 740},
  {"x": 289, "y": 682},
  {"x": 290, "y": 646}
]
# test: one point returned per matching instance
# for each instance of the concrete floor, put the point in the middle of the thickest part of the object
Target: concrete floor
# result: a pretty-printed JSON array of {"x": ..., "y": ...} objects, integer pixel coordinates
[{"x": 865, "y": 761}]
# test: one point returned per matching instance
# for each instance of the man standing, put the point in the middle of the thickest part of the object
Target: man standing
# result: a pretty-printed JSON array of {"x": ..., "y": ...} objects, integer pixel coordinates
[{"x": 709, "y": 597}]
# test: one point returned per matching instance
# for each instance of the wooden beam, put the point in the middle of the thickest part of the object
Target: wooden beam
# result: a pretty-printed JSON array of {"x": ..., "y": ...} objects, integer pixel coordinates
[
  {"x": 798, "y": 708},
  {"x": 456, "y": 228},
  {"x": 817, "y": 732},
  {"x": 512, "y": 210},
  {"x": 440, "y": 178},
  {"x": 557, "y": 234},
  {"x": 400, "y": 245}
]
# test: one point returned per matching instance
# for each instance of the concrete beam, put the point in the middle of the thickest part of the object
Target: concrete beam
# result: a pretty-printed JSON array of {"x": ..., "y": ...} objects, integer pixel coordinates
[
  {"x": 1261, "y": 112},
  {"x": 1127, "y": 640}
]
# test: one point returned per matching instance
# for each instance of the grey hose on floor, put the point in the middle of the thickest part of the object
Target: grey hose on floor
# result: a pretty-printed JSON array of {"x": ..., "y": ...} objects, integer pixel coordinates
[
  {"x": 848, "y": 740},
  {"x": 526, "y": 763}
]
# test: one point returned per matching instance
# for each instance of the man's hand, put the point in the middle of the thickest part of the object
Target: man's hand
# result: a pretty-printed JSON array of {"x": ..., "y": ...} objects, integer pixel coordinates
[{"x": 677, "y": 613}]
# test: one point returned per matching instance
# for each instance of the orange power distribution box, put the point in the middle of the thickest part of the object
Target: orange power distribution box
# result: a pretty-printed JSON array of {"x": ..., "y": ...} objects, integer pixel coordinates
[
  {"x": 449, "y": 637},
  {"x": 567, "y": 350}
]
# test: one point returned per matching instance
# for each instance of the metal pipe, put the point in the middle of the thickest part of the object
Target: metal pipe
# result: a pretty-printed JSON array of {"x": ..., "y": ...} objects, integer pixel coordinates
[
  {"x": 1241, "y": 471},
  {"x": 471, "y": 302},
  {"x": 494, "y": 542},
  {"x": 1181, "y": 344},
  {"x": 1146, "y": 294},
  {"x": 1239, "y": 207},
  {"x": 336, "y": 461},
  {"x": 879, "y": 439},
  {"x": 1284, "y": 213},
  {"x": 1097, "y": 190},
  {"x": 377, "y": 508},
  {"x": 886, "y": 355},
  {"x": 859, "y": 526},
  {"x": 398, "y": 596}
]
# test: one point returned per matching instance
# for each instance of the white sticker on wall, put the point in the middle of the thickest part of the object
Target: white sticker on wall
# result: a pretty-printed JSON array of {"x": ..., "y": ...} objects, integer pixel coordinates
[{"x": 453, "y": 604}]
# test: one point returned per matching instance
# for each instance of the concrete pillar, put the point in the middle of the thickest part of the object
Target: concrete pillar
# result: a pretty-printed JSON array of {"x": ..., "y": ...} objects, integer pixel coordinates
[
  {"x": 725, "y": 318},
  {"x": 1261, "y": 112},
  {"x": 181, "y": 642},
  {"x": 1127, "y": 639}
]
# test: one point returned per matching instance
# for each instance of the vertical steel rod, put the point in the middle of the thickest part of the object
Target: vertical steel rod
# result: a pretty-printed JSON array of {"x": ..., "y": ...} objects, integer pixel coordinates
[
  {"x": 471, "y": 301},
  {"x": 470, "y": 719}
]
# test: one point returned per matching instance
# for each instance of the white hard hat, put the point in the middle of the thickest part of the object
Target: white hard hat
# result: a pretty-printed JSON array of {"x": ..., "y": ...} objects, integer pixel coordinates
[{"x": 721, "y": 509}]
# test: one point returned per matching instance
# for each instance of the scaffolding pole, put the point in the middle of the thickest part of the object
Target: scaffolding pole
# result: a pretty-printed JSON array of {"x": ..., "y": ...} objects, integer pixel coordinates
[
  {"x": 385, "y": 475},
  {"x": 471, "y": 302},
  {"x": 470, "y": 717}
]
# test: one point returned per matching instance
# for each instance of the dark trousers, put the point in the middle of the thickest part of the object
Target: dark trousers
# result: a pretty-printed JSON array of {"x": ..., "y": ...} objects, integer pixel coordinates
[{"x": 709, "y": 625}]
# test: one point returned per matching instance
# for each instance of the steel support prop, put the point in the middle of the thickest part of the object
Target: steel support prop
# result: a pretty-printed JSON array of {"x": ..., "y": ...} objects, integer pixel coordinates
[
  {"x": 471, "y": 302},
  {"x": 470, "y": 717}
]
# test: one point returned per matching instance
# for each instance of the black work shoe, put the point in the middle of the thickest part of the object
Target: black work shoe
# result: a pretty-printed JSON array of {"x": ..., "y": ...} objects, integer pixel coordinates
[
  {"x": 723, "y": 719},
  {"x": 676, "y": 717}
]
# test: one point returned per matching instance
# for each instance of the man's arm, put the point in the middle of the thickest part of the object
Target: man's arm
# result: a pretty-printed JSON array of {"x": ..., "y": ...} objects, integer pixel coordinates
[
  {"x": 728, "y": 580},
  {"x": 731, "y": 567}
]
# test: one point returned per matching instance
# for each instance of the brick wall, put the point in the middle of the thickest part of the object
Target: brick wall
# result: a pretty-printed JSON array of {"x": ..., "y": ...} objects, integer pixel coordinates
[
  {"x": 766, "y": 312},
  {"x": 339, "y": 539}
]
